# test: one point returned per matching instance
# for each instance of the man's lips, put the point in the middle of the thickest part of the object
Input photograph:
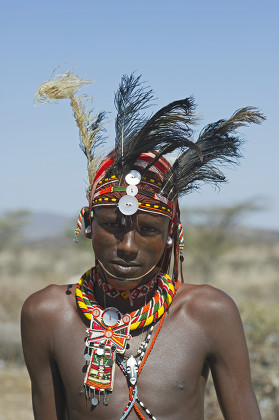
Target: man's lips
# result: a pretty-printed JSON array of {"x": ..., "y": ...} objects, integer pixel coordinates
[{"x": 125, "y": 264}]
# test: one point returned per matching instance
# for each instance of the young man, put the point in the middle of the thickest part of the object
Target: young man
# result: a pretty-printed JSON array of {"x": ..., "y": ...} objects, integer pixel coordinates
[{"x": 129, "y": 341}]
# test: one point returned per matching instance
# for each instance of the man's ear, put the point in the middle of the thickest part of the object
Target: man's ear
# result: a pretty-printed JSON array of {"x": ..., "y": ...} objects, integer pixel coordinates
[{"x": 87, "y": 223}]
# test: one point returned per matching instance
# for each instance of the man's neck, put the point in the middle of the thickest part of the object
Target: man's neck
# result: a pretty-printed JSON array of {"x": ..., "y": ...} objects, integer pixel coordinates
[{"x": 123, "y": 304}]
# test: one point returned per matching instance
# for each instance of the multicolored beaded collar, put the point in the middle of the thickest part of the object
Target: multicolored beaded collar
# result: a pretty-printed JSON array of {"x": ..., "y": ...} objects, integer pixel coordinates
[
  {"x": 139, "y": 291},
  {"x": 144, "y": 316}
]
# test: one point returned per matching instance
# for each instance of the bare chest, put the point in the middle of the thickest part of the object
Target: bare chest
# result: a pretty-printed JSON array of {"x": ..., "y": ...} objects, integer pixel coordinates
[{"x": 171, "y": 380}]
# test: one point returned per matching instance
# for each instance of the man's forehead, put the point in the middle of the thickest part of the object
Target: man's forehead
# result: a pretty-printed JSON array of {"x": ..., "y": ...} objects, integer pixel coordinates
[{"x": 113, "y": 211}]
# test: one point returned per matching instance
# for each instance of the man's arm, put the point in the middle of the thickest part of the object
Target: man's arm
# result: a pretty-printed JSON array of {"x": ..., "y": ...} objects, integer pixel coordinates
[
  {"x": 37, "y": 323},
  {"x": 229, "y": 361}
]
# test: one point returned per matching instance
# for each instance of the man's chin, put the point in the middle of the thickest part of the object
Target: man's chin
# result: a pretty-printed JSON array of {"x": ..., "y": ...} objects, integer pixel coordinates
[{"x": 126, "y": 278}]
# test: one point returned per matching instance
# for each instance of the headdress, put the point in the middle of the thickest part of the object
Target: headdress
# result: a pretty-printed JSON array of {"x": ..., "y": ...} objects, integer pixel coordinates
[{"x": 135, "y": 175}]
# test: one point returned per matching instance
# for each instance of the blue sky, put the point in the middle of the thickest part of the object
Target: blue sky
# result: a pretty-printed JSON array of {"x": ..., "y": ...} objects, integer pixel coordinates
[{"x": 224, "y": 53}]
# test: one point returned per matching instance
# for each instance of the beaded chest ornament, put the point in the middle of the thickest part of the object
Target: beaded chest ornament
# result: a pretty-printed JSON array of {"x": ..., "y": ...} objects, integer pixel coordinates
[
  {"x": 109, "y": 332},
  {"x": 107, "y": 335}
]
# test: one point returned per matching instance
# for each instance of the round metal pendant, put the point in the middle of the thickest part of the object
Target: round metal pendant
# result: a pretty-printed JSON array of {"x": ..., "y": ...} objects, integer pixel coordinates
[
  {"x": 128, "y": 205},
  {"x": 111, "y": 317},
  {"x": 87, "y": 357},
  {"x": 133, "y": 177},
  {"x": 132, "y": 190},
  {"x": 94, "y": 401}
]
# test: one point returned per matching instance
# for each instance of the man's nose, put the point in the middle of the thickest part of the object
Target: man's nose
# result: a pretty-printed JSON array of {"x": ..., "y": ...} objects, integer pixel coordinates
[{"x": 127, "y": 243}]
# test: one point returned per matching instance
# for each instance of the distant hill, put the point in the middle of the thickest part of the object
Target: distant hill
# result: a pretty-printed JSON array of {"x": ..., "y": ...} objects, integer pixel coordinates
[{"x": 44, "y": 226}]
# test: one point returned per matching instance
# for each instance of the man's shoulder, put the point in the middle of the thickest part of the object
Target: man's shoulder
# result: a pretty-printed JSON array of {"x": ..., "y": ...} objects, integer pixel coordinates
[
  {"x": 45, "y": 303},
  {"x": 206, "y": 302}
]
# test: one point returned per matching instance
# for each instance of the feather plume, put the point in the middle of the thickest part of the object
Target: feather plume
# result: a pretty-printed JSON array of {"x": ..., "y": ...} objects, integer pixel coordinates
[
  {"x": 60, "y": 86},
  {"x": 66, "y": 85},
  {"x": 130, "y": 100},
  {"x": 219, "y": 145},
  {"x": 167, "y": 130}
]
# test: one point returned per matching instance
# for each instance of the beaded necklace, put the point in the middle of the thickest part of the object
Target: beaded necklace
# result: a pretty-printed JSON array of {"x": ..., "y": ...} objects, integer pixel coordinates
[
  {"x": 128, "y": 372},
  {"x": 108, "y": 334},
  {"x": 144, "y": 316},
  {"x": 139, "y": 291}
]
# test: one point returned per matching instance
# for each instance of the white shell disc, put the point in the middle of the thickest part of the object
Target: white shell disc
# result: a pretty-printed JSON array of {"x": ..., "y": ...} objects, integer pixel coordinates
[
  {"x": 87, "y": 357},
  {"x": 100, "y": 352},
  {"x": 128, "y": 205},
  {"x": 132, "y": 190},
  {"x": 133, "y": 177}
]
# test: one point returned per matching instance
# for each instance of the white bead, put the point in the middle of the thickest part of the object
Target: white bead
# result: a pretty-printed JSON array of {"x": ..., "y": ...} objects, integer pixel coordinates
[{"x": 100, "y": 352}]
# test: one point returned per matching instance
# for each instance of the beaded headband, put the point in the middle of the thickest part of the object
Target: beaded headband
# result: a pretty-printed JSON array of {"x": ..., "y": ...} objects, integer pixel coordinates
[{"x": 134, "y": 192}]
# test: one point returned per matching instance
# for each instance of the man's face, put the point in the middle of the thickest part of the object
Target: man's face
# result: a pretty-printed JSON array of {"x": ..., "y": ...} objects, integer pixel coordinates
[{"x": 129, "y": 250}]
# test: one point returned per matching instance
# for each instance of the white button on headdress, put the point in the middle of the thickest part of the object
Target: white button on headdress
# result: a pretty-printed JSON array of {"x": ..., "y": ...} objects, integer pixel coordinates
[{"x": 128, "y": 204}]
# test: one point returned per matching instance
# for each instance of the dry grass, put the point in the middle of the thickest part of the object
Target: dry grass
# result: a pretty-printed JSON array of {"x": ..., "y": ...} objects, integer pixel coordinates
[{"x": 15, "y": 395}]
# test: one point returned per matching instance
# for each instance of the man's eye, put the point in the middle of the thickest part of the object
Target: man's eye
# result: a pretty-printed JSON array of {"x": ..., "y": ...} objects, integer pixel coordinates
[
  {"x": 147, "y": 229},
  {"x": 113, "y": 225}
]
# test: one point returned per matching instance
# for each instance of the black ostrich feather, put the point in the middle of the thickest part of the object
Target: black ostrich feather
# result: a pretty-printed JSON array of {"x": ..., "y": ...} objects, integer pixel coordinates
[
  {"x": 167, "y": 130},
  {"x": 219, "y": 145},
  {"x": 130, "y": 100}
]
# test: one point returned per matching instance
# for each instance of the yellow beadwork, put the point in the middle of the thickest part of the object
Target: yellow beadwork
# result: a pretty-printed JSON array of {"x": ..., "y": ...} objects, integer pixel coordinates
[{"x": 134, "y": 325}]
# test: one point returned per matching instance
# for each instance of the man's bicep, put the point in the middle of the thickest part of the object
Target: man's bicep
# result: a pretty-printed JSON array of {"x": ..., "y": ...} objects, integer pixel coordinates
[
  {"x": 230, "y": 365},
  {"x": 47, "y": 389}
]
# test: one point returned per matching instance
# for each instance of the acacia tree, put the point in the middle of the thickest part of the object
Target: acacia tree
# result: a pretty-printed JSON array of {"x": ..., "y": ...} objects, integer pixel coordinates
[{"x": 208, "y": 234}]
